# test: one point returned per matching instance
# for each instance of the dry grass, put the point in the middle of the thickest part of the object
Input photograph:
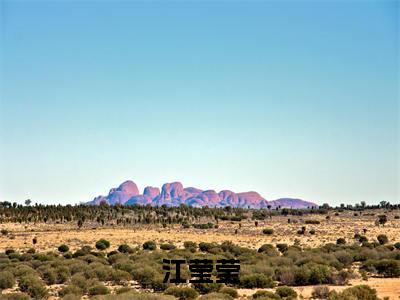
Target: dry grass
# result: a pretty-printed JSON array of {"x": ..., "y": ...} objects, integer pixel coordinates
[{"x": 345, "y": 225}]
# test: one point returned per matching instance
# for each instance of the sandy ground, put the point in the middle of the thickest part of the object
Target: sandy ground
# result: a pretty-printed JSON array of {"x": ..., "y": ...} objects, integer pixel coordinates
[
  {"x": 386, "y": 287},
  {"x": 50, "y": 236}
]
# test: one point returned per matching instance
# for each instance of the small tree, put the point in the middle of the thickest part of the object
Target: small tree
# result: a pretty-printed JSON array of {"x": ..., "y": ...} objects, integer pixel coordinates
[
  {"x": 102, "y": 244},
  {"x": 149, "y": 245},
  {"x": 268, "y": 231},
  {"x": 340, "y": 241},
  {"x": 382, "y": 219},
  {"x": 382, "y": 239},
  {"x": 286, "y": 292},
  {"x": 124, "y": 248},
  {"x": 80, "y": 223},
  {"x": 282, "y": 247},
  {"x": 63, "y": 248}
]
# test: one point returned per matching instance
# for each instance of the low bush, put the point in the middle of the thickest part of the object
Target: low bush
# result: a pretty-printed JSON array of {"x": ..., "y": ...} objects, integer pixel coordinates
[
  {"x": 315, "y": 222},
  {"x": 286, "y": 292},
  {"x": 70, "y": 289},
  {"x": 386, "y": 267},
  {"x": 191, "y": 246},
  {"x": 268, "y": 249},
  {"x": 124, "y": 248},
  {"x": 63, "y": 248},
  {"x": 382, "y": 239},
  {"x": 256, "y": 281},
  {"x": 265, "y": 295},
  {"x": 119, "y": 276},
  {"x": 229, "y": 291},
  {"x": 102, "y": 244},
  {"x": 359, "y": 292},
  {"x": 149, "y": 245},
  {"x": 215, "y": 296},
  {"x": 167, "y": 246},
  {"x": 320, "y": 292},
  {"x": 204, "y": 226},
  {"x": 341, "y": 241},
  {"x": 98, "y": 289},
  {"x": 33, "y": 286},
  {"x": 7, "y": 280},
  {"x": 205, "y": 288},
  {"x": 182, "y": 293},
  {"x": 282, "y": 247},
  {"x": 268, "y": 231},
  {"x": 15, "y": 296}
]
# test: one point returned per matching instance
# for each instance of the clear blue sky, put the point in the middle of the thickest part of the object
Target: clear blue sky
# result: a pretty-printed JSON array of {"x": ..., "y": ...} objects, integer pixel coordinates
[{"x": 290, "y": 99}]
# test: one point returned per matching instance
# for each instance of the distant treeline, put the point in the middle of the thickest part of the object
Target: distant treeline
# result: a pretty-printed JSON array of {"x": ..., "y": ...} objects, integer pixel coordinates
[{"x": 135, "y": 214}]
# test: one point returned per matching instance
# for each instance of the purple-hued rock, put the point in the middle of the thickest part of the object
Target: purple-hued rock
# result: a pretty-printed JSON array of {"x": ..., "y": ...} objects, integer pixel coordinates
[
  {"x": 118, "y": 195},
  {"x": 173, "y": 194},
  {"x": 292, "y": 203},
  {"x": 151, "y": 192}
]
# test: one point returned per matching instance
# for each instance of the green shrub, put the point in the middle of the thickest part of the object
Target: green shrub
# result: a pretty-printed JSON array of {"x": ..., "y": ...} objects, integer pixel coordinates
[
  {"x": 265, "y": 248},
  {"x": 215, "y": 296},
  {"x": 229, "y": 291},
  {"x": 320, "y": 274},
  {"x": 340, "y": 241},
  {"x": 71, "y": 297},
  {"x": 7, "y": 280},
  {"x": 167, "y": 246},
  {"x": 124, "y": 248},
  {"x": 33, "y": 286},
  {"x": 102, "y": 244},
  {"x": 123, "y": 290},
  {"x": 282, "y": 247},
  {"x": 98, "y": 289},
  {"x": 149, "y": 277},
  {"x": 149, "y": 245},
  {"x": 209, "y": 247},
  {"x": 70, "y": 289},
  {"x": 265, "y": 295},
  {"x": 205, "y": 288},
  {"x": 286, "y": 292},
  {"x": 49, "y": 275},
  {"x": 208, "y": 225},
  {"x": 256, "y": 281},
  {"x": 268, "y": 231},
  {"x": 182, "y": 293},
  {"x": 320, "y": 292},
  {"x": 397, "y": 245},
  {"x": 15, "y": 296},
  {"x": 63, "y": 248},
  {"x": 359, "y": 292},
  {"x": 344, "y": 257},
  {"x": 79, "y": 280},
  {"x": 63, "y": 274},
  {"x": 9, "y": 251},
  {"x": 382, "y": 239},
  {"x": 315, "y": 222},
  {"x": 388, "y": 267},
  {"x": 119, "y": 276},
  {"x": 191, "y": 246}
]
